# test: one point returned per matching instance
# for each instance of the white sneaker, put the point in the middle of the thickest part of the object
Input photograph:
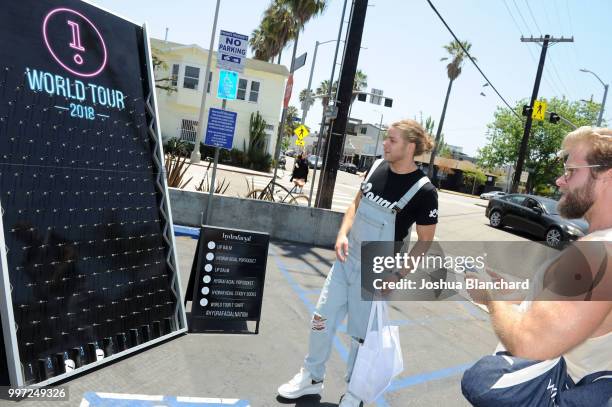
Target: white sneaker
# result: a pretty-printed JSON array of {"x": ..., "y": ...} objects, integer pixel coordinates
[
  {"x": 301, "y": 385},
  {"x": 348, "y": 400}
]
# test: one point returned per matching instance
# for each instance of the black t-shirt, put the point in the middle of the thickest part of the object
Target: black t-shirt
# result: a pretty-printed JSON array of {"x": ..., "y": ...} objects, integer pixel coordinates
[{"x": 386, "y": 188}]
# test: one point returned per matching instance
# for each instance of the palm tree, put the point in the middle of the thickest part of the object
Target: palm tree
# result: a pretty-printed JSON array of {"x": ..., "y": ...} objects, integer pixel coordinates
[
  {"x": 457, "y": 52},
  {"x": 281, "y": 23},
  {"x": 359, "y": 84}
]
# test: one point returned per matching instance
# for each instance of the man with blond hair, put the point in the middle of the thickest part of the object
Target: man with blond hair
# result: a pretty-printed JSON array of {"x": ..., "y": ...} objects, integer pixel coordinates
[
  {"x": 557, "y": 350},
  {"x": 394, "y": 195}
]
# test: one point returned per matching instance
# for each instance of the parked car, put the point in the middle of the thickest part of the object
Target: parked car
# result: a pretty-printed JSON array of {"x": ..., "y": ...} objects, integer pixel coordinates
[
  {"x": 537, "y": 216},
  {"x": 348, "y": 167},
  {"x": 492, "y": 194},
  {"x": 290, "y": 153},
  {"x": 312, "y": 159}
]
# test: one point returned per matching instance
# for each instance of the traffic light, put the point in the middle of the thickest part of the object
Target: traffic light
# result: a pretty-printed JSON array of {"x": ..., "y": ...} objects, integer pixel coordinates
[
  {"x": 554, "y": 118},
  {"x": 527, "y": 110},
  {"x": 362, "y": 97},
  {"x": 388, "y": 102}
]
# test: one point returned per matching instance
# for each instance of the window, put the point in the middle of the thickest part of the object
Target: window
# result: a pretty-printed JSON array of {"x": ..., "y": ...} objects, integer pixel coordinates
[
  {"x": 515, "y": 199},
  {"x": 192, "y": 77},
  {"x": 363, "y": 130},
  {"x": 531, "y": 203},
  {"x": 254, "y": 95},
  {"x": 174, "y": 76},
  {"x": 189, "y": 129},
  {"x": 242, "y": 87}
]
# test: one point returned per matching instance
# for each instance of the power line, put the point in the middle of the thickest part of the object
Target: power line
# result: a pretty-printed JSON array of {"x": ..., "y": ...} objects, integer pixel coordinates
[
  {"x": 533, "y": 17},
  {"x": 472, "y": 59},
  {"x": 554, "y": 67},
  {"x": 549, "y": 78},
  {"x": 533, "y": 58},
  {"x": 522, "y": 18},
  {"x": 571, "y": 70}
]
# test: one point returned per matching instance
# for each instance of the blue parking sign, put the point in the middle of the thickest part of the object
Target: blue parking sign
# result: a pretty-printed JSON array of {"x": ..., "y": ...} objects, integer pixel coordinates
[
  {"x": 220, "y": 128},
  {"x": 228, "y": 85}
]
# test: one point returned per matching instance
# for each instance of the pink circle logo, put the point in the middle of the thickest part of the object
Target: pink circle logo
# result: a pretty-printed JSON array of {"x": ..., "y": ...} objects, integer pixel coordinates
[{"x": 74, "y": 42}]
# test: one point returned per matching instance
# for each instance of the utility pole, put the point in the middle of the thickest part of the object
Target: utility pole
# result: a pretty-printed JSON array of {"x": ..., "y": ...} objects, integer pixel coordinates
[
  {"x": 335, "y": 139},
  {"x": 547, "y": 39}
]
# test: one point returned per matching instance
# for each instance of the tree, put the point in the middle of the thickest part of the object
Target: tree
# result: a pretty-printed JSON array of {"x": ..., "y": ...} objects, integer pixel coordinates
[
  {"x": 455, "y": 51},
  {"x": 475, "y": 178},
  {"x": 281, "y": 23},
  {"x": 291, "y": 124},
  {"x": 442, "y": 147},
  {"x": 360, "y": 83},
  {"x": 506, "y": 131},
  {"x": 164, "y": 83}
]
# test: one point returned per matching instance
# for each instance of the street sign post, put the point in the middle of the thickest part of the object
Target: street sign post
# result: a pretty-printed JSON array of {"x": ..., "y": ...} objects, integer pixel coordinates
[
  {"x": 301, "y": 132},
  {"x": 231, "y": 53},
  {"x": 288, "y": 90},
  {"x": 228, "y": 85},
  {"x": 220, "y": 128},
  {"x": 299, "y": 62},
  {"x": 539, "y": 110}
]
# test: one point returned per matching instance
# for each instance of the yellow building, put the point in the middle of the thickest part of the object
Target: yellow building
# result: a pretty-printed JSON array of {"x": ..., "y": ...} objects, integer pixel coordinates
[{"x": 261, "y": 88}]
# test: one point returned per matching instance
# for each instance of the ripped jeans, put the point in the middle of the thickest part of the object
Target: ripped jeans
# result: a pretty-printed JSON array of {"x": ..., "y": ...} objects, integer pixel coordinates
[{"x": 341, "y": 295}]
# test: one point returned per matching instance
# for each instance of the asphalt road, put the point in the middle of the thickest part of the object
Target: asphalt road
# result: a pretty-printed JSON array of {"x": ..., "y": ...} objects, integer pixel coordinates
[{"x": 439, "y": 341}]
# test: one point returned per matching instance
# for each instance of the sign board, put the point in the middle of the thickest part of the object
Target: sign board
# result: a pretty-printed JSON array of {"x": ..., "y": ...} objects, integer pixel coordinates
[
  {"x": 288, "y": 89},
  {"x": 99, "y": 277},
  {"x": 228, "y": 85},
  {"x": 227, "y": 277},
  {"x": 301, "y": 132},
  {"x": 375, "y": 97},
  {"x": 331, "y": 112},
  {"x": 231, "y": 52},
  {"x": 220, "y": 128},
  {"x": 539, "y": 110},
  {"x": 524, "y": 176},
  {"x": 300, "y": 143},
  {"x": 299, "y": 62}
]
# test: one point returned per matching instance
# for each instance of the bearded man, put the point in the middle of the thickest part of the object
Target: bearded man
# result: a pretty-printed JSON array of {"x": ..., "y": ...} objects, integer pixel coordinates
[{"x": 557, "y": 351}]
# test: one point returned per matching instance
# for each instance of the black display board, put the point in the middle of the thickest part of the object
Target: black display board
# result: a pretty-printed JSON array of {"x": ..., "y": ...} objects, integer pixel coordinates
[
  {"x": 89, "y": 266},
  {"x": 227, "y": 279}
]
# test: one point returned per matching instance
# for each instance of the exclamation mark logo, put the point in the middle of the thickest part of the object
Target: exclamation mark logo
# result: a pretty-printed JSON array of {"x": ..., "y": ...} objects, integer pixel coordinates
[{"x": 76, "y": 42}]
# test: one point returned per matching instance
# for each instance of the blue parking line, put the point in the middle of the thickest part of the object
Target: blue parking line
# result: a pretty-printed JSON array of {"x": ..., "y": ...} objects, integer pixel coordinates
[
  {"x": 135, "y": 400},
  {"x": 397, "y": 384},
  {"x": 426, "y": 377}
]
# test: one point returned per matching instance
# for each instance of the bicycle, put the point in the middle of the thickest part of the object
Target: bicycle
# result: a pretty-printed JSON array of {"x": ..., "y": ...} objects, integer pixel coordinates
[{"x": 267, "y": 194}]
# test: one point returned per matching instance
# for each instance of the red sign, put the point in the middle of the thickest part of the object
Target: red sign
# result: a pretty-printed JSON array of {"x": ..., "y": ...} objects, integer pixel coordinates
[{"x": 288, "y": 90}]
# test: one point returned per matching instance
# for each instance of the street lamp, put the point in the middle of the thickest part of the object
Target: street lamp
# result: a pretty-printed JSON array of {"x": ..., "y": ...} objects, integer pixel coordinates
[
  {"x": 603, "y": 103},
  {"x": 309, "y": 99}
]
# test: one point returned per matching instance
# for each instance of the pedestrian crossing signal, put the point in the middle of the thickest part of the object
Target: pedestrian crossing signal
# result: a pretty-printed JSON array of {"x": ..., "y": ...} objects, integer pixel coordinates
[{"x": 554, "y": 118}]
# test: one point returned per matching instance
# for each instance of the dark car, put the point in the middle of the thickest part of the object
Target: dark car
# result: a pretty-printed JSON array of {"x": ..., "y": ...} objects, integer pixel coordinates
[
  {"x": 314, "y": 159},
  {"x": 348, "y": 167},
  {"x": 537, "y": 216}
]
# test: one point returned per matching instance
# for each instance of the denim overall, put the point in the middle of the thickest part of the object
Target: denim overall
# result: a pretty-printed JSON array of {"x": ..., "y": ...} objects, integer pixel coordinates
[{"x": 341, "y": 293}]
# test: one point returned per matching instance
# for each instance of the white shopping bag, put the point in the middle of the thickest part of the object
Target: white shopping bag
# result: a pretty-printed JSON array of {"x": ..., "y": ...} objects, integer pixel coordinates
[{"x": 379, "y": 358}]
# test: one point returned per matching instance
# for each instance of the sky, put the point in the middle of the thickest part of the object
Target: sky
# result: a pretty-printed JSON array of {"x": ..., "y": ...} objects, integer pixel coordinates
[{"x": 402, "y": 47}]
